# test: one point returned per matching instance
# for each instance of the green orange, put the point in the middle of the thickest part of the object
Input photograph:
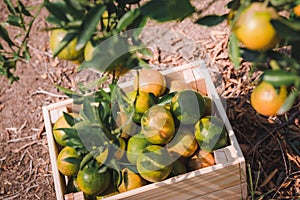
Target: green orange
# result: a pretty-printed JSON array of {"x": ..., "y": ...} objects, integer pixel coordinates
[
  {"x": 68, "y": 161},
  {"x": 60, "y": 135},
  {"x": 211, "y": 133},
  {"x": 92, "y": 182},
  {"x": 188, "y": 106}
]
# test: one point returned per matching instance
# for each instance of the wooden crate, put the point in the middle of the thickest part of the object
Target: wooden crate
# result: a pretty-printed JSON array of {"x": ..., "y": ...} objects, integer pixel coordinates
[{"x": 224, "y": 180}]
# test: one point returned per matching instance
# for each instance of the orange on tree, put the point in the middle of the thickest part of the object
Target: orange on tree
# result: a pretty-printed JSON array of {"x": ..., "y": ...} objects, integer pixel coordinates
[
  {"x": 60, "y": 134},
  {"x": 65, "y": 166},
  {"x": 296, "y": 10},
  {"x": 91, "y": 181},
  {"x": 266, "y": 100},
  {"x": 70, "y": 52},
  {"x": 254, "y": 29}
]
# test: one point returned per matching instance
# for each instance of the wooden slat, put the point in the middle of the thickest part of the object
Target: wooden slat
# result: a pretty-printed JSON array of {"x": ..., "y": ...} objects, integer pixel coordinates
[
  {"x": 231, "y": 193},
  {"x": 191, "y": 185},
  {"x": 59, "y": 183}
]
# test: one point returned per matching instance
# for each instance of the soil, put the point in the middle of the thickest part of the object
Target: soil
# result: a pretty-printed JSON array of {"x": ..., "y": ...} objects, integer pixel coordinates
[{"x": 270, "y": 145}]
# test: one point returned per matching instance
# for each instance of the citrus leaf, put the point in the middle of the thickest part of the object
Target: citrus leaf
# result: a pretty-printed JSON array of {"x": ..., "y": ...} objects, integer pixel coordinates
[
  {"x": 86, "y": 159},
  {"x": 166, "y": 10},
  {"x": 102, "y": 169},
  {"x": 288, "y": 103},
  {"x": 89, "y": 25},
  {"x": 10, "y": 7},
  {"x": 67, "y": 39},
  {"x": 68, "y": 92},
  {"x": 73, "y": 160},
  {"x": 23, "y": 9},
  {"x": 70, "y": 133},
  {"x": 280, "y": 77},
  {"x": 286, "y": 29},
  {"x": 4, "y": 35},
  {"x": 211, "y": 20},
  {"x": 69, "y": 119},
  {"x": 234, "y": 50},
  {"x": 90, "y": 112},
  {"x": 166, "y": 98},
  {"x": 14, "y": 21},
  {"x": 128, "y": 18},
  {"x": 75, "y": 143},
  {"x": 114, "y": 163},
  {"x": 75, "y": 4},
  {"x": 57, "y": 10}
]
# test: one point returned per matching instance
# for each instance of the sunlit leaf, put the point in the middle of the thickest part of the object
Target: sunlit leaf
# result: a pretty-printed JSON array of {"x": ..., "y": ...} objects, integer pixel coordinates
[
  {"x": 234, "y": 50},
  {"x": 68, "y": 92},
  {"x": 128, "y": 19},
  {"x": 289, "y": 102},
  {"x": 14, "y": 20},
  {"x": 10, "y": 7},
  {"x": 89, "y": 25}
]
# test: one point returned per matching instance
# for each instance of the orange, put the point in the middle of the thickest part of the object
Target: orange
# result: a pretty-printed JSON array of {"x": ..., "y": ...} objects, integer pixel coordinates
[
  {"x": 254, "y": 28},
  {"x": 150, "y": 81},
  {"x": 296, "y": 10},
  {"x": 65, "y": 167},
  {"x": 266, "y": 100},
  {"x": 92, "y": 182},
  {"x": 130, "y": 181},
  {"x": 59, "y": 134},
  {"x": 69, "y": 52}
]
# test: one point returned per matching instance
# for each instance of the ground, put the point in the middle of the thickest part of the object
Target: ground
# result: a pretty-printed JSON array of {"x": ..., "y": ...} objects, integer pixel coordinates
[{"x": 270, "y": 145}]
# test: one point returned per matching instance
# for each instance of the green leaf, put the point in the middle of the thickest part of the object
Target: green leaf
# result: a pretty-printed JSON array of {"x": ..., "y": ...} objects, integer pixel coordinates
[
  {"x": 288, "y": 103},
  {"x": 4, "y": 35},
  {"x": 67, "y": 39},
  {"x": 211, "y": 20},
  {"x": 115, "y": 165},
  {"x": 86, "y": 159},
  {"x": 57, "y": 9},
  {"x": 69, "y": 119},
  {"x": 23, "y": 9},
  {"x": 68, "y": 92},
  {"x": 166, "y": 98},
  {"x": 128, "y": 18},
  {"x": 89, "y": 25},
  {"x": 280, "y": 77},
  {"x": 73, "y": 160},
  {"x": 234, "y": 50},
  {"x": 287, "y": 30},
  {"x": 14, "y": 20},
  {"x": 10, "y": 7},
  {"x": 89, "y": 111},
  {"x": 75, "y": 4},
  {"x": 166, "y": 10},
  {"x": 70, "y": 133}
]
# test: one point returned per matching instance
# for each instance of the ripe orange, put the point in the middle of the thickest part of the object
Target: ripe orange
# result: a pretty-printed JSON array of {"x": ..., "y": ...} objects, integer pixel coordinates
[
  {"x": 65, "y": 167},
  {"x": 296, "y": 10},
  {"x": 130, "y": 181},
  {"x": 266, "y": 100},
  {"x": 69, "y": 52},
  {"x": 150, "y": 81},
  {"x": 254, "y": 28}
]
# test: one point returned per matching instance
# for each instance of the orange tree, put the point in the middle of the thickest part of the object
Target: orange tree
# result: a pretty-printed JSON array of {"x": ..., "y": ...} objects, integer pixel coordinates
[{"x": 259, "y": 30}]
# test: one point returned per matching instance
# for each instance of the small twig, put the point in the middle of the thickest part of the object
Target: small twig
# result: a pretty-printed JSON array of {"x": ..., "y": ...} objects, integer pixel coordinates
[
  {"x": 13, "y": 197},
  {"x": 22, "y": 127},
  {"x": 47, "y": 93},
  {"x": 41, "y": 131},
  {"x": 269, "y": 177},
  {"x": 20, "y": 139},
  {"x": 26, "y": 145}
]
